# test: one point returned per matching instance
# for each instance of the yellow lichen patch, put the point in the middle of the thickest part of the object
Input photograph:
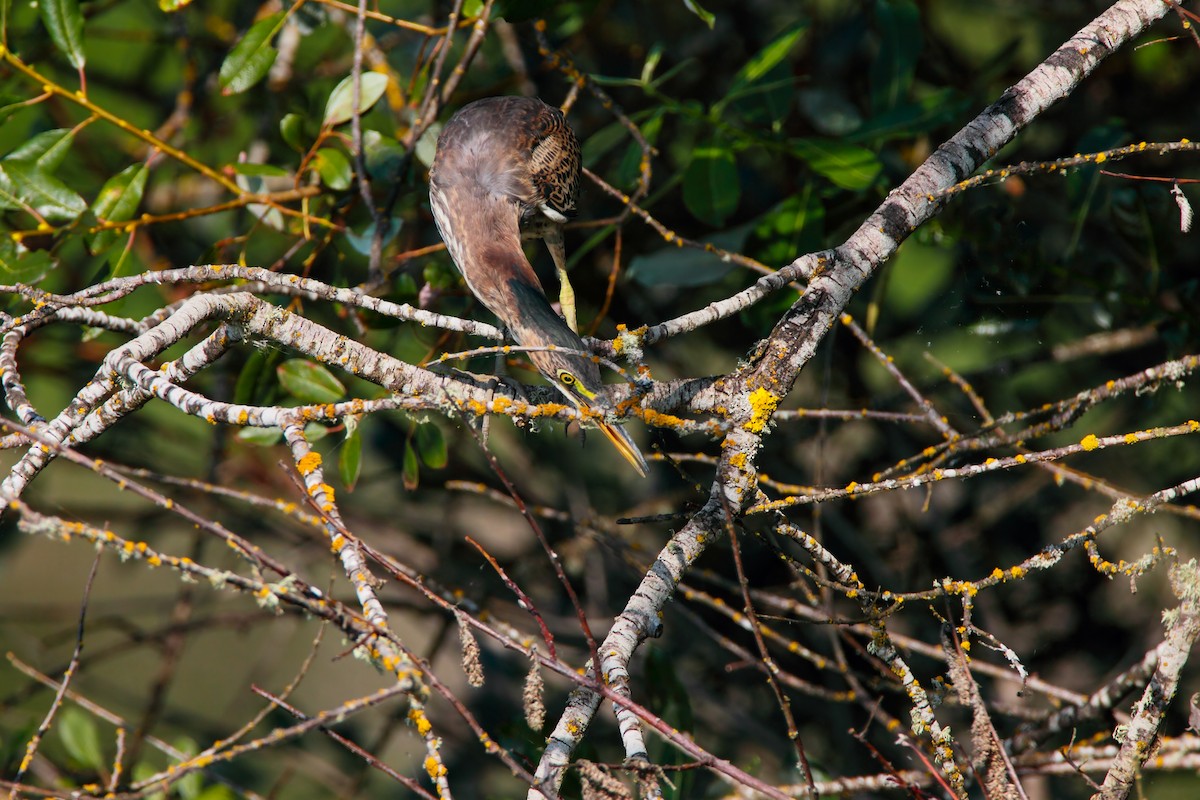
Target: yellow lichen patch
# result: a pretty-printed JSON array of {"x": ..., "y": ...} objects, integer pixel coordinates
[
  {"x": 738, "y": 460},
  {"x": 308, "y": 463},
  {"x": 418, "y": 718},
  {"x": 763, "y": 403},
  {"x": 1193, "y": 425},
  {"x": 659, "y": 420},
  {"x": 548, "y": 410},
  {"x": 1090, "y": 442},
  {"x": 434, "y": 768},
  {"x": 1131, "y": 438}
]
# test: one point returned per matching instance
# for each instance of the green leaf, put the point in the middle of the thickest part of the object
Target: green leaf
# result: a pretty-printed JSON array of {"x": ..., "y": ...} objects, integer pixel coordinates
[
  {"x": 291, "y": 128},
  {"x": 173, "y": 5},
  {"x": 385, "y": 158},
  {"x": 630, "y": 167},
  {"x": 432, "y": 444},
  {"x": 411, "y": 474},
  {"x": 251, "y": 58},
  {"x": 426, "y": 146},
  {"x": 919, "y": 277},
  {"x": 309, "y": 381},
  {"x": 46, "y": 194},
  {"x": 847, "y": 165},
  {"x": 260, "y": 170},
  {"x": 19, "y": 264},
  {"x": 792, "y": 228},
  {"x": 891, "y": 73},
  {"x": 46, "y": 150},
  {"x": 710, "y": 184},
  {"x": 350, "y": 456},
  {"x": 909, "y": 119},
  {"x": 122, "y": 261},
  {"x": 80, "y": 738},
  {"x": 766, "y": 60},
  {"x": 707, "y": 17},
  {"x": 254, "y": 384},
  {"x": 361, "y": 242},
  {"x": 117, "y": 201},
  {"x": 685, "y": 266},
  {"x": 334, "y": 169},
  {"x": 64, "y": 23},
  {"x": 340, "y": 106},
  {"x": 601, "y": 142},
  {"x": 262, "y": 437}
]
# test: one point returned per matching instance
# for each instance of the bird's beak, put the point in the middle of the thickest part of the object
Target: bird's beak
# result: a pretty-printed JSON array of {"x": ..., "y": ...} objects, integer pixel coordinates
[
  {"x": 621, "y": 440},
  {"x": 625, "y": 446}
]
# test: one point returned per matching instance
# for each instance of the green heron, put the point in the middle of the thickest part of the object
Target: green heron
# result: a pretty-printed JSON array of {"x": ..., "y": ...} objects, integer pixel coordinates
[{"x": 507, "y": 168}]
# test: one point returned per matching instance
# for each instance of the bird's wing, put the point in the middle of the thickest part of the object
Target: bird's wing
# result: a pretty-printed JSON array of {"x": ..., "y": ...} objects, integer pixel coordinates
[{"x": 554, "y": 163}]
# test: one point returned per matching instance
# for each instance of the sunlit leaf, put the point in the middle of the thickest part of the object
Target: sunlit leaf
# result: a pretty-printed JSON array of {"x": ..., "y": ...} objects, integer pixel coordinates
[
  {"x": 173, "y": 5},
  {"x": 46, "y": 150},
  {"x": 340, "y": 106},
  {"x": 117, "y": 201},
  {"x": 64, "y": 23},
  {"x": 426, "y": 145},
  {"x": 291, "y": 128},
  {"x": 46, "y": 194},
  {"x": 919, "y": 274},
  {"x": 80, "y": 737},
  {"x": 309, "y": 382},
  {"x": 334, "y": 168},
  {"x": 847, "y": 165},
  {"x": 711, "y": 188},
  {"x": 315, "y": 431},
  {"x": 707, "y": 17},
  {"x": 765, "y": 60},
  {"x": 251, "y": 58},
  {"x": 792, "y": 228},
  {"x": 261, "y": 170}
]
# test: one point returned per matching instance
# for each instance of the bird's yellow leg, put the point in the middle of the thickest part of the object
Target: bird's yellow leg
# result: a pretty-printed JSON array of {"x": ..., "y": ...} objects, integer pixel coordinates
[{"x": 566, "y": 295}]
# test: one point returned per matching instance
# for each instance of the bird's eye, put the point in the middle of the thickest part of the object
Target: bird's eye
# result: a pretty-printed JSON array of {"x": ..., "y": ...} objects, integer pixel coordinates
[{"x": 566, "y": 378}]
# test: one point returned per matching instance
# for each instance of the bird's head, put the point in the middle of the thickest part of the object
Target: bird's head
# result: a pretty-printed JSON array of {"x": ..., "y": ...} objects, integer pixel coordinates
[{"x": 576, "y": 376}]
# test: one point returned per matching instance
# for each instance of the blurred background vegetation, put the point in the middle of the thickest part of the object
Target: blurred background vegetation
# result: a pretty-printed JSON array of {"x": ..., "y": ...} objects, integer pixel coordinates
[{"x": 777, "y": 127}]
